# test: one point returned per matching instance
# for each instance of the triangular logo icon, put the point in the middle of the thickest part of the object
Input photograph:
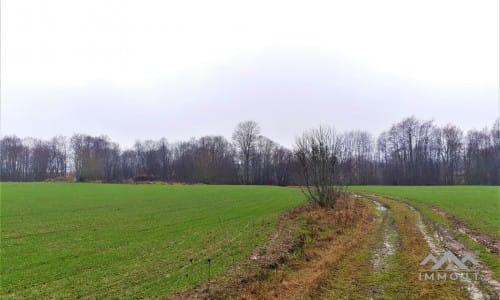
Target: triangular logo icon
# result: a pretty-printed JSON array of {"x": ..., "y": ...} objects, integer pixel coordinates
[{"x": 451, "y": 259}]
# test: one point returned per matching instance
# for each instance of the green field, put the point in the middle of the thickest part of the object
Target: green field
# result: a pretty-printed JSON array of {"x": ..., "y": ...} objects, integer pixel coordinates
[
  {"x": 476, "y": 206},
  {"x": 68, "y": 240}
]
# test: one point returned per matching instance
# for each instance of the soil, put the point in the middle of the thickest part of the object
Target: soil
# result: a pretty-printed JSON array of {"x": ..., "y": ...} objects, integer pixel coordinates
[
  {"x": 490, "y": 242},
  {"x": 265, "y": 274},
  {"x": 310, "y": 242}
]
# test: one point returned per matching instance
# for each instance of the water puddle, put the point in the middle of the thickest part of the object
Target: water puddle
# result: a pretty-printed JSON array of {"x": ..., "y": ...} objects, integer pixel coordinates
[
  {"x": 379, "y": 206},
  {"x": 439, "y": 241},
  {"x": 388, "y": 245},
  {"x": 437, "y": 245},
  {"x": 387, "y": 248}
]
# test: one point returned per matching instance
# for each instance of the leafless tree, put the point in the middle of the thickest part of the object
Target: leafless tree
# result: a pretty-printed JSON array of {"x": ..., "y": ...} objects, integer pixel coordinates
[
  {"x": 358, "y": 162},
  {"x": 128, "y": 164},
  {"x": 283, "y": 165},
  {"x": 40, "y": 157},
  {"x": 495, "y": 136},
  {"x": 410, "y": 152},
  {"x": 58, "y": 161},
  {"x": 407, "y": 151},
  {"x": 14, "y": 159},
  {"x": 95, "y": 158},
  {"x": 318, "y": 153},
  {"x": 262, "y": 161},
  {"x": 450, "y": 141},
  {"x": 481, "y": 157},
  {"x": 245, "y": 137}
]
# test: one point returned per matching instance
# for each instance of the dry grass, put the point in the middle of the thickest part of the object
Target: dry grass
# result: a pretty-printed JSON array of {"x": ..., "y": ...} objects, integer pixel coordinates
[
  {"x": 328, "y": 254},
  {"x": 307, "y": 243},
  {"x": 333, "y": 233}
]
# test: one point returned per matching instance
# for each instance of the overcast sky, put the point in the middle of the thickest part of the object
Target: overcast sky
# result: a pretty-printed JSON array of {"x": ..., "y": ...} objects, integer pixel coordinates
[{"x": 181, "y": 69}]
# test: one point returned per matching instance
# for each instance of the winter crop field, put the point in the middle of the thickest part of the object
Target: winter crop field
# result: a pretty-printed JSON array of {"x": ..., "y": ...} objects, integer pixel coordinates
[
  {"x": 86, "y": 240},
  {"x": 69, "y": 240}
]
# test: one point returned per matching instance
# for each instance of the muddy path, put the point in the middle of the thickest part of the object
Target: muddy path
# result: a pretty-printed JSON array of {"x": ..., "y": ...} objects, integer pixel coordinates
[
  {"x": 490, "y": 242},
  {"x": 388, "y": 244},
  {"x": 409, "y": 246},
  {"x": 369, "y": 247},
  {"x": 439, "y": 246},
  {"x": 368, "y": 271},
  {"x": 440, "y": 240}
]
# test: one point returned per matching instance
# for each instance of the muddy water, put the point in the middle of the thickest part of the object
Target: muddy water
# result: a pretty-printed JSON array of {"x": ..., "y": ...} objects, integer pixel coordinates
[
  {"x": 388, "y": 246},
  {"x": 435, "y": 240},
  {"x": 437, "y": 244}
]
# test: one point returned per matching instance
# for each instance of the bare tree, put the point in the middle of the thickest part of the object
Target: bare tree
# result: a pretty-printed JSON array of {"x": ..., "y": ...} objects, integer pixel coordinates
[
  {"x": 283, "y": 164},
  {"x": 407, "y": 151},
  {"x": 481, "y": 158},
  {"x": 128, "y": 164},
  {"x": 164, "y": 155},
  {"x": 40, "y": 157},
  {"x": 318, "y": 153},
  {"x": 410, "y": 152},
  {"x": 262, "y": 161},
  {"x": 95, "y": 158},
  {"x": 58, "y": 157},
  {"x": 11, "y": 151},
  {"x": 451, "y": 152},
  {"x": 357, "y": 149},
  {"x": 495, "y": 136},
  {"x": 245, "y": 137}
]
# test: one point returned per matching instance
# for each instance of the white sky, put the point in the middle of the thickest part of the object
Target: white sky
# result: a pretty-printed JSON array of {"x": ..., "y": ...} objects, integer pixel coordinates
[{"x": 146, "y": 69}]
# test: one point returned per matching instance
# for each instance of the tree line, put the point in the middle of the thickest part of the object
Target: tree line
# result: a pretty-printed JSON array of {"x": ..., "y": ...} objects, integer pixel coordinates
[{"x": 410, "y": 152}]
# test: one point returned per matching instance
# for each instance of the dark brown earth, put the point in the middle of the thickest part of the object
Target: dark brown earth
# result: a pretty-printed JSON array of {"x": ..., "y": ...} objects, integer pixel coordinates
[{"x": 490, "y": 242}]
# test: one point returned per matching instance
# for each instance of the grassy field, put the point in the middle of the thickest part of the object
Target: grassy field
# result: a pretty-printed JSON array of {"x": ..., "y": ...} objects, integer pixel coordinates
[
  {"x": 68, "y": 240},
  {"x": 476, "y": 206}
]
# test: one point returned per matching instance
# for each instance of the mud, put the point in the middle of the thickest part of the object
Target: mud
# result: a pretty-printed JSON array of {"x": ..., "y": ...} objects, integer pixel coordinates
[
  {"x": 389, "y": 243},
  {"x": 490, "y": 242},
  {"x": 269, "y": 259},
  {"x": 440, "y": 240}
]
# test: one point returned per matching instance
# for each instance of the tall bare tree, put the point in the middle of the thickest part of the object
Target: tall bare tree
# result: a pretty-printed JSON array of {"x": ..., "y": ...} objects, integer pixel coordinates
[
  {"x": 410, "y": 152},
  {"x": 495, "y": 135},
  {"x": 451, "y": 153},
  {"x": 245, "y": 137}
]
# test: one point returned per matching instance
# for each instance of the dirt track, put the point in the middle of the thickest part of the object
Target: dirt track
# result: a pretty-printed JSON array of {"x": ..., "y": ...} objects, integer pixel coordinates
[
  {"x": 368, "y": 248},
  {"x": 490, "y": 242}
]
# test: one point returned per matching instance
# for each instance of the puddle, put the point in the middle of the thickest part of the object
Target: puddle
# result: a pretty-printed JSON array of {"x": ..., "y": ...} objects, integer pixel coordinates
[
  {"x": 432, "y": 241},
  {"x": 387, "y": 248},
  {"x": 438, "y": 240},
  {"x": 380, "y": 206},
  {"x": 437, "y": 245}
]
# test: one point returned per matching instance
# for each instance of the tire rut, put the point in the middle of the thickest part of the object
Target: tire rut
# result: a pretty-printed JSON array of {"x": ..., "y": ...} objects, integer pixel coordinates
[
  {"x": 489, "y": 242},
  {"x": 387, "y": 246},
  {"x": 441, "y": 240}
]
